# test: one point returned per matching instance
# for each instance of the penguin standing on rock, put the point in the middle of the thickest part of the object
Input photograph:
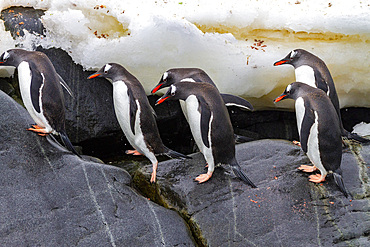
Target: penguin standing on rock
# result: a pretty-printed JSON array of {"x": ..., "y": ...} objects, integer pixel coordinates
[
  {"x": 135, "y": 115},
  {"x": 41, "y": 91},
  {"x": 319, "y": 131},
  {"x": 311, "y": 70},
  {"x": 209, "y": 123}
]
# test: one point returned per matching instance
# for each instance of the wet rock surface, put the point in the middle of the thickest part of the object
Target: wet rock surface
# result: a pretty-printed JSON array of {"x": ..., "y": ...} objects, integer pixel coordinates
[
  {"x": 285, "y": 210},
  {"x": 50, "y": 197}
]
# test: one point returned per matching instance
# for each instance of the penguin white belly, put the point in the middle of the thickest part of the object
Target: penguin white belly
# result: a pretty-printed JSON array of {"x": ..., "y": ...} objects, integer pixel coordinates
[
  {"x": 25, "y": 79},
  {"x": 305, "y": 74},
  {"x": 184, "y": 110},
  {"x": 194, "y": 120},
  {"x": 122, "y": 109},
  {"x": 313, "y": 151},
  {"x": 299, "y": 112}
]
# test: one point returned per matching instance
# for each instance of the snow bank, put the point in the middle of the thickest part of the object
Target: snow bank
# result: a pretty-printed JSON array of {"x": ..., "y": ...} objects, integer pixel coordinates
[{"x": 235, "y": 42}]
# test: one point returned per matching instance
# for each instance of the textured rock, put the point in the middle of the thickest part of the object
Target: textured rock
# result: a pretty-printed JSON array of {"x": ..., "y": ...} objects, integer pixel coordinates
[
  {"x": 285, "y": 210},
  {"x": 50, "y": 197}
]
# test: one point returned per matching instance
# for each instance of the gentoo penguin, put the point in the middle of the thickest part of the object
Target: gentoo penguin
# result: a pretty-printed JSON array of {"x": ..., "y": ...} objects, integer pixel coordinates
[
  {"x": 41, "y": 92},
  {"x": 319, "y": 131},
  {"x": 313, "y": 71},
  {"x": 209, "y": 123},
  {"x": 135, "y": 115},
  {"x": 172, "y": 76}
]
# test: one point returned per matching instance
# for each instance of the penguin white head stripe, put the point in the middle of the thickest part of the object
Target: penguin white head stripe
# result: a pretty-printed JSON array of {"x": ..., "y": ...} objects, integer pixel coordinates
[
  {"x": 188, "y": 80},
  {"x": 173, "y": 90},
  {"x": 293, "y": 53},
  {"x": 288, "y": 88},
  {"x": 165, "y": 75},
  {"x": 6, "y": 56},
  {"x": 107, "y": 68}
]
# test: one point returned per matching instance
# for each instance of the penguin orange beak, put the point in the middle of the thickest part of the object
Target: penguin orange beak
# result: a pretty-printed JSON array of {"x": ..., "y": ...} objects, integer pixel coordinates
[
  {"x": 161, "y": 100},
  {"x": 93, "y": 76},
  {"x": 280, "y": 62},
  {"x": 281, "y": 97},
  {"x": 157, "y": 88}
]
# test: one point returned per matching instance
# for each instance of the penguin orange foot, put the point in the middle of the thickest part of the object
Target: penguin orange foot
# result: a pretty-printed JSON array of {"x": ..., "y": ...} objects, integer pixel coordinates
[
  {"x": 306, "y": 168},
  {"x": 204, "y": 177},
  {"x": 133, "y": 152},
  {"x": 154, "y": 173},
  {"x": 317, "y": 178},
  {"x": 39, "y": 130},
  {"x": 297, "y": 143}
]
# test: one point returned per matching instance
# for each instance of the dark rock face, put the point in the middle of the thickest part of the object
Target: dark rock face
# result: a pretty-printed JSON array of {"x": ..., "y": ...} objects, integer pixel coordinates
[
  {"x": 285, "y": 210},
  {"x": 50, "y": 197}
]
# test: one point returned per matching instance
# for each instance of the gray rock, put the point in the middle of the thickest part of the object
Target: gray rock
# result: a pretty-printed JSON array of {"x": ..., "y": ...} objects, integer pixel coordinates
[
  {"x": 285, "y": 210},
  {"x": 50, "y": 197}
]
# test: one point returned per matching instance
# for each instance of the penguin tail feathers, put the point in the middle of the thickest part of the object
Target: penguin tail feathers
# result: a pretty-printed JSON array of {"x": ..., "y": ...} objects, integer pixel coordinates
[
  {"x": 175, "y": 155},
  {"x": 68, "y": 143},
  {"x": 356, "y": 137},
  {"x": 240, "y": 174},
  {"x": 339, "y": 181}
]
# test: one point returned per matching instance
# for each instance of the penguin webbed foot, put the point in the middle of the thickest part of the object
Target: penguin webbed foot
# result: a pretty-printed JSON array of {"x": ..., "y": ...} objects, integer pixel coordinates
[
  {"x": 39, "y": 130},
  {"x": 306, "y": 168},
  {"x": 203, "y": 177},
  {"x": 133, "y": 152},
  {"x": 297, "y": 143},
  {"x": 316, "y": 178},
  {"x": 154, "y": 173}
]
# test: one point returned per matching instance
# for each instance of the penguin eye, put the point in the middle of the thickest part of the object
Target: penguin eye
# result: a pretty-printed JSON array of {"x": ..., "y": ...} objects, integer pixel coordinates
[
  {"x": 173, "y": 93},
  {"x": 173, "y": 90}
]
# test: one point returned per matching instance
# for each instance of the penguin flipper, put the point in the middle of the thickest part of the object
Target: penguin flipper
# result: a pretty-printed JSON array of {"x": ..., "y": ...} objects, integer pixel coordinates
[
  {"x": 232, "y": 100},
  {"x": 36, "y": 83},
  {"x": 65, "y": 86},
  {"x": 240, "y": 174},
  {"x": 320, "y": 82},
  {"x": 133, "y": 109},
  {"x": 205, "y": 116},
  {"x": 175, "y": 155},
  {"x": 307, "y": 122},
  {"x": 68, "y": 143},
  {"x": 339, "y": 181}
]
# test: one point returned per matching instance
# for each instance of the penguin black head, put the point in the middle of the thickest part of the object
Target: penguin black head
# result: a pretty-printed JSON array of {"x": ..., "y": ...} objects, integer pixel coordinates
[
  {"x": 166, "y": 81},
  {"x": 172, "y": 93},
  {"x": 290, "y": 92},
  {"x": 295, "y": 58},
  {"x": 10, "y": 57},
  {"x": 110, "y": 71}
]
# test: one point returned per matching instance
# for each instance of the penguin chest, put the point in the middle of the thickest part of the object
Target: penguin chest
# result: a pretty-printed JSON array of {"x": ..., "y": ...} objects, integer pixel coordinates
[
  {"x": 32, "y": 100},
  {"x": 313, "y": 150},
  {"x": 194, "y": 120},
  {"x": 305, "y": 74},
  {"x": 122, "y": 103}
]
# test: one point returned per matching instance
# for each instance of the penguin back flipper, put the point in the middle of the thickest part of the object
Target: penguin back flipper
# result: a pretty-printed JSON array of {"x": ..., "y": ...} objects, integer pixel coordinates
[
  {"x": 339, "y": 181},
  {"x": 175, "y": 155},
  {"x": 232, "y": 100},
  {"x": 68, "y": 143},
  {"x": 240, "y": 174}
]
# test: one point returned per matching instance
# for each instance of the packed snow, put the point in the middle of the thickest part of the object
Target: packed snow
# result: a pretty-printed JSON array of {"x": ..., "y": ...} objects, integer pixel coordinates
[{"x": 235, "y": 42}]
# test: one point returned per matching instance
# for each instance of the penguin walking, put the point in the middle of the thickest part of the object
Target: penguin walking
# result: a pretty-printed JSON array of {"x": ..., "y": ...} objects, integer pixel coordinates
[
  {"x": 311, "y": 70},
  {"x": 135, "y": 115},
  {"x": 172, "y": 76},
  {"x": 319, "y": 131},
  {"x": 209, "y": 123},
  {"x": 41, "y": 91}
]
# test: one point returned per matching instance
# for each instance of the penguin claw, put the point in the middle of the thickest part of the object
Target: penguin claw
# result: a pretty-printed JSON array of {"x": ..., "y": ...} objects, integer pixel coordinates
[
  {"x": 133, "y": 152},
  {"x": 317, "y": 178},
  {"x": 203, "y": 177},
  {"x": 306, "y": 168}
]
